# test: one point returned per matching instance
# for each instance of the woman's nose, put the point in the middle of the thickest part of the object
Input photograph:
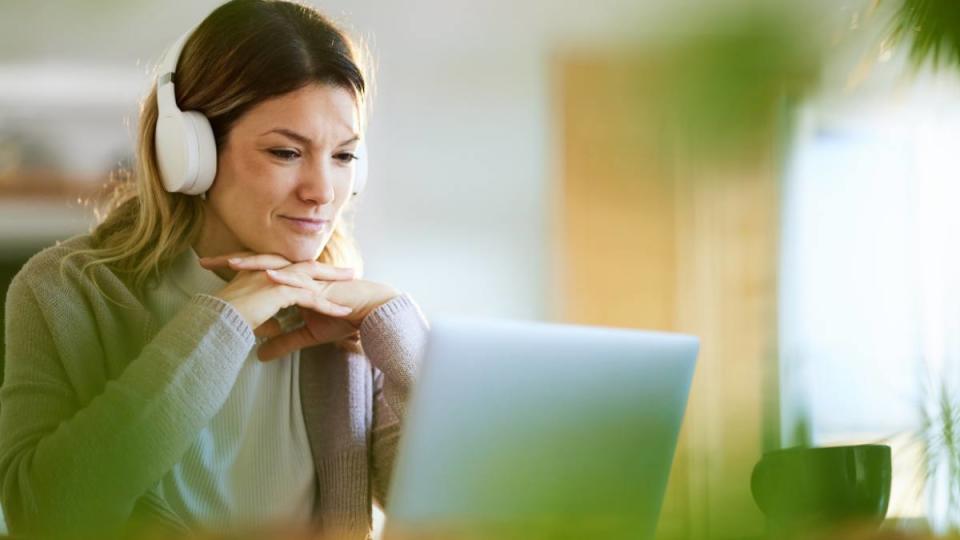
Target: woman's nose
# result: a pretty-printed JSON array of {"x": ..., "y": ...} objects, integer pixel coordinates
[{"x": 316, "y": 186}]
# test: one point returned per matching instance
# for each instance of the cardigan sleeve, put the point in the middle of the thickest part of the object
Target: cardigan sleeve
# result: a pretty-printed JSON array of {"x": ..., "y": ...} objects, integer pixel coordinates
[
  {"x": 394, "y": 338},
  {"x": 75, "y": 469}
]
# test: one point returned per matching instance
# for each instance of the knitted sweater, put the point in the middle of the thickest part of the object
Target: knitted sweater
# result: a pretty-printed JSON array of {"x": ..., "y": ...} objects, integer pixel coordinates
[
  {"x": 99, "y": 401},
  {"x": 251, "y": 466}
]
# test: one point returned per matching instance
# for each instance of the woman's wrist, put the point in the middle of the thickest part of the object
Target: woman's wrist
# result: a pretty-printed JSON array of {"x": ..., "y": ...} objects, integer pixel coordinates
[{"x": 381, "y": 294}]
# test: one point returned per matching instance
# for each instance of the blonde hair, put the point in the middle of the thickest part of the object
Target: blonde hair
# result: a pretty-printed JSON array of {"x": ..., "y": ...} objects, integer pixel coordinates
[{"x": 224, "y": 70}]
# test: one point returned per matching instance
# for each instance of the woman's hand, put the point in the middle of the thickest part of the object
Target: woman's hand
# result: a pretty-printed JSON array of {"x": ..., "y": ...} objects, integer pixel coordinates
[{"x": 316, "y": 280}]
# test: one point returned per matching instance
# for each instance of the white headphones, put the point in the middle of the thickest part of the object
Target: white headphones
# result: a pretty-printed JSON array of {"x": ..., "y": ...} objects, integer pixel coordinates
[{"x": 184, "y": 142}]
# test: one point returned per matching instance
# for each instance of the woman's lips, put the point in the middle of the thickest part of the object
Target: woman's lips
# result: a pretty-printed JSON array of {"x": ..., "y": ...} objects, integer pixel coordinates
[{"x": 306, "y": 225}]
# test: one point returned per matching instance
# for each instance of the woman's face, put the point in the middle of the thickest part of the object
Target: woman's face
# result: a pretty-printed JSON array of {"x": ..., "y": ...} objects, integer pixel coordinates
[{"x": 284, "y": 175}]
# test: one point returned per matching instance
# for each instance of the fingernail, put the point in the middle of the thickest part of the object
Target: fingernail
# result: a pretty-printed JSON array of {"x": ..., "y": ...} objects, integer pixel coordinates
[
  {"x": 234, "y": 260},
  {"x": 344, "y": 310}
]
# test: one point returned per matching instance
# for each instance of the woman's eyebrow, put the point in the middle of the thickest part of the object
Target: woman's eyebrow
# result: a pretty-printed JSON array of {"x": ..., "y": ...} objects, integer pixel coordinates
[{"x": 303, "y": 139}]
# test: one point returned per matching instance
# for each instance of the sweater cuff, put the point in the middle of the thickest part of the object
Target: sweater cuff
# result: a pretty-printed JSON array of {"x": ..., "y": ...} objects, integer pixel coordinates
[
  {"x": 394, "y": 337},
  {"x": 228, "y": 314}
]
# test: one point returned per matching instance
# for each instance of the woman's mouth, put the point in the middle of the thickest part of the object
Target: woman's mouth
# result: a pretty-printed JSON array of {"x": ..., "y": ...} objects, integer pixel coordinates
[{"x": 306, "y": 225}]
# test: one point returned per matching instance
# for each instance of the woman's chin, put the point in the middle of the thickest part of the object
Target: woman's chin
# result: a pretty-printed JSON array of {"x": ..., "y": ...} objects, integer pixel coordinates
[
  {"x": 303, "y": 251},
  {"x": 292, "y": 247}
]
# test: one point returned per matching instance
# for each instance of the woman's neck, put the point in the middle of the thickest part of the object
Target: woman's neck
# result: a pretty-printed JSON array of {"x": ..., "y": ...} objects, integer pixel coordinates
[{"x": 215, "y": 240}]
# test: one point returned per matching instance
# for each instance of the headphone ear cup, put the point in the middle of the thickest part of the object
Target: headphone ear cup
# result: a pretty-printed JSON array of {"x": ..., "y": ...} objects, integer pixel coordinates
[
  {"x": 172, "y": 149},
  {"x": 184, "y": 145},
  {"x": 186, "y": 152},
  {"x": 206, "y": 152},
  {"x": 360, "y": 176}
]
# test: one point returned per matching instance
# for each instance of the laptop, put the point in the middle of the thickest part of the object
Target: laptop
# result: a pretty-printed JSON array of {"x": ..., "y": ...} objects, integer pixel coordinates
[{"x": 534, "y": 430}]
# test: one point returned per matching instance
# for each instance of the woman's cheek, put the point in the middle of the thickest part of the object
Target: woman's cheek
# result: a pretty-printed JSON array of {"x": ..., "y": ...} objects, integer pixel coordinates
[
  {"x": 344, "y": 190},
  {"x": 270, "y": 179}
]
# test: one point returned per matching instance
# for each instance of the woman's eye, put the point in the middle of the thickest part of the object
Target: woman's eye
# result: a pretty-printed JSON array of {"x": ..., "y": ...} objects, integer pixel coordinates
[
  {"x": 284, "y": 154},
  {"x": 346, "y": 157}
]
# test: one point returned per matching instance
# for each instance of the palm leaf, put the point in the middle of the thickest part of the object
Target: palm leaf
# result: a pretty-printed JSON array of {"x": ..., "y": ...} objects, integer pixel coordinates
[{"x": 932, "y": 29}]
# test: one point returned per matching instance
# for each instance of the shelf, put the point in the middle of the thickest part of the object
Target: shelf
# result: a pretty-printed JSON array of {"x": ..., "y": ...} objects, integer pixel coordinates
[{"x": 38, "y": 208}]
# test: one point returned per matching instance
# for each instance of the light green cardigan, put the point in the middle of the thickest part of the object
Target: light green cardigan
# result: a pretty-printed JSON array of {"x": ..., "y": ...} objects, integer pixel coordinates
[{"x": 98, "y": 403}]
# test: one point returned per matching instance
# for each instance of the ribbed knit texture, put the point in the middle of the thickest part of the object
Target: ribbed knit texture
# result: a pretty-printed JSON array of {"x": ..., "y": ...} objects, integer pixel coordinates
[
  {"x": 251, "y": 466},
  {"x": 101, "y": 401}
]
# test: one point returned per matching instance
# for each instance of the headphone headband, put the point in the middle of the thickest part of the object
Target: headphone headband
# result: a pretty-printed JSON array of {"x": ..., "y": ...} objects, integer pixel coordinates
[
  {"x": 169, "y": 63},
  {"x": 166, "y": 101}
]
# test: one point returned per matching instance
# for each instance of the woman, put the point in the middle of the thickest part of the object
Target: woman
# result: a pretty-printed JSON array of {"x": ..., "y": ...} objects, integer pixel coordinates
[{"x": 135, "y": 393}]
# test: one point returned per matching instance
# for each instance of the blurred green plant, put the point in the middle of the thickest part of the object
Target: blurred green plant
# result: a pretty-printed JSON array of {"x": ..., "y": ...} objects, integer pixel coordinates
[
  {"x": 932, "y": 30},
  {"x": 728, "y": 81},
  {"x": 939, "y": 436}
]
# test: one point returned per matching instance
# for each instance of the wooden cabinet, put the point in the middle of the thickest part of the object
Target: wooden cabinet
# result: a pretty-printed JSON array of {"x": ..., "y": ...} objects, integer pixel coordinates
[{"x": 648, "y": 238}]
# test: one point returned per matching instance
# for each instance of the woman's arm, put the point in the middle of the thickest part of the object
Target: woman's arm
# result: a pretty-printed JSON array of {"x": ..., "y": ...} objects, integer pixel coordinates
[
  {"x": 67, "y": 468},
  {"x": 393, "y": 334},
  {"x": 393, "y": 337}
]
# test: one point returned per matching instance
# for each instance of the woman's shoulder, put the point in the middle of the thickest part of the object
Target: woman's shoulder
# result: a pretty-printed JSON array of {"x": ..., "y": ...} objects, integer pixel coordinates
[
  {"x": 59, "y": 269},
  {"x": 69, "y": 253}
]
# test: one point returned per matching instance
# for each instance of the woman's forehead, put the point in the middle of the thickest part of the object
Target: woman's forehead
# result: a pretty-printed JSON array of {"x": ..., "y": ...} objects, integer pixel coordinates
[{"x": 316, "y": 111}]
